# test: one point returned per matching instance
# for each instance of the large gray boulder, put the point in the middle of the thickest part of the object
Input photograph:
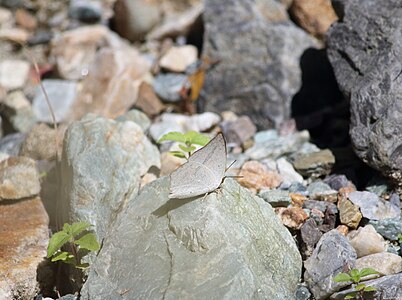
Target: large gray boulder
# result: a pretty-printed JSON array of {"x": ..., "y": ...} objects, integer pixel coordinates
[
  {"x": 365, "y": 50},
  {"x": 230, "y": 245},
  {"x": 257, "y": 52}
]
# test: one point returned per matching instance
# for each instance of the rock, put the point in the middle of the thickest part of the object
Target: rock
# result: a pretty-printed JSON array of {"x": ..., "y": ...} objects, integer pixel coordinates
[
  {"x": 269, "y": 145},
  {"x": 177, "y": 59},
  {"x": 147, "y": 178},
  {"x": 239, "y": 130},
  {"x": 137, "y": 117},
  {"x": 337, "y": 182},
  {"x": 169, "y": 163},
  {"x": 256, "y": 177},
  {"x": 302, "y": 293},
  {"x": 297, "y": 199},
  {"x": 315, "y": 164},
  {"x": 276, "y": 198},
  {"x": 387, "y": 287},
  {"x": 157, "y": 130},
  {"x": 40, "y": 143},
  {"x": 320, "y": 205},
  {"x": 372, "y": 207},
  {"x": 253, "y": 76},
  {"x": 317, "y": 215},
  {"x": 386, "y": 263},
  {"x": 147, "y": 100},
  {"x": 14, "y": 35},
  {"x": 110, "y": 156},
  {"x": 11, "y": 144},
  {"x": 134, "y": 19},
  {"x": 13, "y": 73},
  {"x": 379, "y": 186},
  {"x": 169, "y": 86},
  {"x": 178, "y": 25},
  {"x": 344, "y": 230},
  {"x": 366, "y": 241},
  {"x": 297, "y": 187},
  {"x": 40, "y": 37},
  {"x": 388, "y": 228},
  {"x": 23, "y": 244},
  {"x": 19, "y": 178},
  {"x": 24, "y": 19},
  {"x": 319, "y": 190},
  {"x": 349, "y": 213},
  {"x": 85, "y": 11},
  {"x": 330, "y": 216},
  {"x": 287, "y": 172},
  {"x": 314, "y": 16},
  {"x": 331, "y": 254},
  {"x": 121, "y": 72},
  {"x": 62, "y": 95},
  {"x": 18, "y": 111},
  {"x": 74, "y": 50},
  {"x": 365, "y": 54},
  {"x": 5, "y": 17},
  {"x": 205, "y": 249},
  {"x": 310, "y": 235},
  {"x": 291, "y": 217}
]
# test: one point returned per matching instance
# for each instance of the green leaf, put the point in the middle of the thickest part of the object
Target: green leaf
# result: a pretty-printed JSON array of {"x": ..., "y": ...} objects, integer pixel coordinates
[
  {"x": 187, "y": 149},
  {"x": 56, "y": 242},
  {"x": 196, "y": 138},
  {"x": 351, "y": 296},
  {"x": 78, "y": 227},
  {"x": 61, "y": 256},
  {"x": 400, "y": 237},
  {"x": 355, "y": 275},
  {"x": 82, "y": 266},
  {"x": 178, "y": 154},
  {"x": 369, "y": 289},
  {"x": 368, "y": 271},
  {"x": 66, "y": 227},
  {"x": 360, "y": 287},
  {"x": 88, "y": 242},
  {"x": 342, "y": 277},
  {"x": 173, "y": 136}
]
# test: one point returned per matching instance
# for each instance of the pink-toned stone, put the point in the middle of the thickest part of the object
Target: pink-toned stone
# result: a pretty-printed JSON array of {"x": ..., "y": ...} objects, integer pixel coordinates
[
  {"x": 292, "y": 217},
  {"x": 343, "y": 229},
  {"x": 24, "y": 19},
  {"x": 148, "y": 101}
]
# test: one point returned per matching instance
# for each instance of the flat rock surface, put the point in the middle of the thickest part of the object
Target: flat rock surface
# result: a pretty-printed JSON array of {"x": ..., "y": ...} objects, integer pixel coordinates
[{"x": 229, "y": 245}]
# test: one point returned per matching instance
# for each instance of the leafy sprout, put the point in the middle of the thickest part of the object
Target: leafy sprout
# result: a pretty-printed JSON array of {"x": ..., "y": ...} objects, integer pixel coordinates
[{"x": 355, "y": 276}]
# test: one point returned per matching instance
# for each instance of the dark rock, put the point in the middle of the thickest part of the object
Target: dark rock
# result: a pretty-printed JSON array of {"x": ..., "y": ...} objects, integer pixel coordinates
[
  {"x": 11, "y": 144},
  {"x": 257, "y": 52},
  {"x": 337, "y": 181},
  {"x": 40, "y": 37},
  {"x": 315, "y": 164},
  {"x": 299, "y": 188},
  {"x": 85, "y": 10},
  {"x": 310, "y": 235},
  {"x": 320, "y": 205},
  {"x": 302, "y": 293},
  {"x": 365, "y": 52}
]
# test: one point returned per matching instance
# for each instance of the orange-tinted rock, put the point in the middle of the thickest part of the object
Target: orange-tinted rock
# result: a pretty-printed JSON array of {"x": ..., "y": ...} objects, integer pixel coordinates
[
  {"x": 314, "y": 16},
  {"x": 148, "y": 101},
  {"x": 24, "y": 237},
  {"x": 349, "y": 213},
  {"x": 255, "y": 176},
  {"x": 25, "y": 19},
  {"x": 297, "y": 199},
  {"x": 344, "y": 192},
  {"x": 292, "y": 217},
  {"x": 343, "y": 229}
]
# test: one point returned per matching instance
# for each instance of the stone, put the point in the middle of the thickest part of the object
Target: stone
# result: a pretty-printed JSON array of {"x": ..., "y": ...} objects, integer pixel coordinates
[
  {"x": 315, "y": 164},
  {"x": 121, "y": 72},
  {"x": 337, "y": 182},
  {"x": 14, "y": 35},
  {"x": 314, "y": 16},
  {"x": 238, "y": 131},
  {"x": 169, "y": 86},
  {"x": 137, "y": 117},
  {"x": 276, "y": 198},
  {"x": 365, "y": 54},
  {"x": 319, "y": 190},
  {"x": 147, "y": 178},
  {"x": 297, "y": 199},
  {"x": 297, "y": 187},
  {"x": 349, "y": 214},
  {"x": 24, "y": 19},
  {"x": 85, "y": 11},
  {"x": 388, "y": 228},
  {"x": 61, "y": 94},
  {"x": 147, "y": 100},
  {"x": 268, "y": 144},
  {"x": 13, "y": 74},
  {"x": 157, "y": 130},
  {"x": 329, "y": 257},
  {"x": 135, "y": 18},
  {"x": 320, "y": 205},
  {"x": 19, "y": 178},
  {"x": 317, "y": 215},
  {"x": 178, "y": 58},
  {"x": 23, "y": 243},
  {"x": 343, "y": 229},
  {"x": 74, "y": 51},
  {"x": 40, "y": 37},
  {"x": 253, "y": 76},
  {"x": 256, "y": 177},
  {"x": 366, "y": 241},
  {"x": 372, "y": 207},
  {"x": 11, "y": 144},
  {"x": 169, "y": 163},
  {"x": 287, "y": 172},
  {"x": 302, "y": 293},
  {"x": 102, "y": 163},
  {"x": 291, "y": 217},
  {"x": 40, "y": 143},
  {"x": 5, "y": 16},
  {"x": 387, "y": 287},
  {"x": 310, "y": 235},
  {"x": 18, "y": 111},
  {"x": 228, "y": 246},
  {"x": 385, "y": 263},
  {"x": 330, "y": 216},
  {"x": 379, "y": 186}
]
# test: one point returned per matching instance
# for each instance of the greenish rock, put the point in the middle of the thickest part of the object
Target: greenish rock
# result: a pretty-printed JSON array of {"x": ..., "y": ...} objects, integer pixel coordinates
[
  {"x": 319, "y": 190},
  {"x": 389, "y": 228},
  {"x": 276, "y": 198},
  {"x": 315, "y": 164},
  {"x": 137, "y": 117},
  {"x": 378, "y": 185},
  {"x": 228, "y": 245}
]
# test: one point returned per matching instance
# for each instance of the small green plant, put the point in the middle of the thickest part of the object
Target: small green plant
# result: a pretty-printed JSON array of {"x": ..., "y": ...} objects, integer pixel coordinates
[
  {"x": 400, "y": 237},
  {"x": 355, "y": 276},
  {"x": 79, "y": 242},
  {"x": 187, "y": 140}
]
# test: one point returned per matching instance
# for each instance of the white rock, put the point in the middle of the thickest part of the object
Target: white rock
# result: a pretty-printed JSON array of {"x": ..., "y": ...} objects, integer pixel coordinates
[
  {"x": 13, "y": 73},
  {"x": 386, "y": 263},
  {"x": 367, "y": 241},
  {"x": 177, "y": 59},
  {"x": 287, "y": 171}
]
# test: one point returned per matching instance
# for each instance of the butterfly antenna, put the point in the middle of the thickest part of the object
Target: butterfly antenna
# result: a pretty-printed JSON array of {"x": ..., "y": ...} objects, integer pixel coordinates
[{"x": 232, "y": 176}]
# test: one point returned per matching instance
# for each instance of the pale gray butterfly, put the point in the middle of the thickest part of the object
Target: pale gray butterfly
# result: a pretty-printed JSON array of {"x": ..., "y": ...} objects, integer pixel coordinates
[{"x": 202, "y": 173}]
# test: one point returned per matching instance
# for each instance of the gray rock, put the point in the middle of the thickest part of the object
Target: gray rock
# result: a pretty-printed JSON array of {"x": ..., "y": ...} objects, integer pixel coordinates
[
  {"x": 318, "y": 187},
  {"x": 365, "y": 240},
  {"x": 297, "y": 187},
  {"x": 13, "y": 73},
  {"x": 258, "y": 52},
  {"x": 387, "y": 287},
  {"x": 320, "y": 205},
  {"x": 239, "y": 130},
  {"x": 85, "y": 10},
  {"x": 310, "y": 235},
  {"x": 137, "y": 117},
  {"x": 331, "y": 254},
  {"x": 372, "y": 207},
  {"x": 365, "y": 50},
  {"x": 276, "y": 198},
  {"x": 378, "y": 185},
  {"x": 169, "y": 86},
  {"x": 40, "y": 143},
  {"x": 11, "y": 143},
  {"x": 315, "y": 164},
  {"x": 101, "y": 166},
  {"x": 388, "y": 228},
  {"x": 61, "y": 93},
  {"x": 302, "y": 293},
  {"x": 230, "y": 245},
  {"x": 336, "y": 181}
]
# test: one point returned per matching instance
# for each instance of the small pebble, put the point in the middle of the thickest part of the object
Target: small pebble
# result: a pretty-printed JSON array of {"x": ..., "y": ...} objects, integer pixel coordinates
[{"x": 366, "y": 241}]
